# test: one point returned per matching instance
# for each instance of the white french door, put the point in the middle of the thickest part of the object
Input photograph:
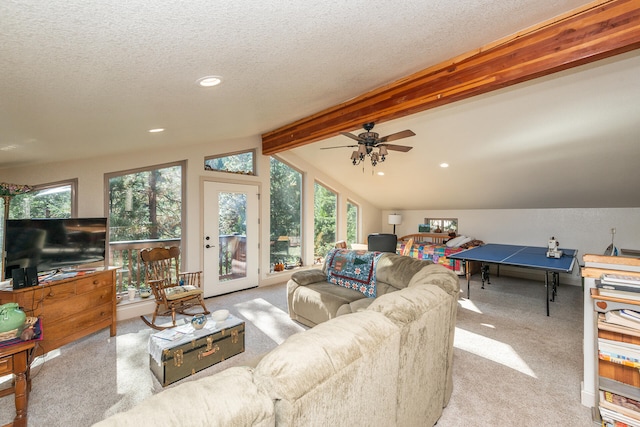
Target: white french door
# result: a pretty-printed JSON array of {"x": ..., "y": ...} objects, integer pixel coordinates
[{"x": 230, "y": 237}]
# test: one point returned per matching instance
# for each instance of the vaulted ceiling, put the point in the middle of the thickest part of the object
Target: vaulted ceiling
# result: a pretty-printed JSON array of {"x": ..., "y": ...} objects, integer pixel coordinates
[{"x": 86, "y": 78}]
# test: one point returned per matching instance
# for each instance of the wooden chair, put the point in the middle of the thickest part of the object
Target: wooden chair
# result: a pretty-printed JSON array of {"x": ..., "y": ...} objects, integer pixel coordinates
[
  {"x": 406, "y": 251},
  {"x": 174, "y": 291}
]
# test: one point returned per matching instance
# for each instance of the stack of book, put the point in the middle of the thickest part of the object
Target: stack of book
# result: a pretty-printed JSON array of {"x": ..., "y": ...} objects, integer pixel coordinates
[
  {"x": 620, "y": 346},
  {"x": 619, "y": 286}
]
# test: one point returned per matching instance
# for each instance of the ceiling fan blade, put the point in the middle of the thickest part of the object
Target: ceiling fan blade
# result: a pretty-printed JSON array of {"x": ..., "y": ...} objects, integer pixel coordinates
[
  {"x": 403, "y": 148},
  {"x": 398, "y": 135},
  {"x": 339, "y": 146},
  {"x": 350, "y": 135}
]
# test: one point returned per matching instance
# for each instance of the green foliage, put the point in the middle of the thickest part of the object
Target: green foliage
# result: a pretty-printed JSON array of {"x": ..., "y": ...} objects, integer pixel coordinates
[
  {"x": 46, "y": 203},
  {"x": 352, "y": 223},
  {"x": 324, "y": 224},
  {"x": 232, "y": 213},
  {"x": 236, "y": 163},
  {"x": 146, "y": 205},
  {"x": 285, "y": 212}
]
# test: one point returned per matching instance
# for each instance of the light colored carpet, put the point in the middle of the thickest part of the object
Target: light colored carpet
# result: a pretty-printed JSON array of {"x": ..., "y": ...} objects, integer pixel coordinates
[{"x": 512, "y": 364}]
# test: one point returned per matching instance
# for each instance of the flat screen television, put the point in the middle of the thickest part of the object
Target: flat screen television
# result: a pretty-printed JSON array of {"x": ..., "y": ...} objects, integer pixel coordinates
[{"x": 55, "y": 244}]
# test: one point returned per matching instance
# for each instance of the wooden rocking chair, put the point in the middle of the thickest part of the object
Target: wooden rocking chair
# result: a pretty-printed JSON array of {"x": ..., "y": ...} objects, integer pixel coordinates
[{"x": 174, "y": 291}]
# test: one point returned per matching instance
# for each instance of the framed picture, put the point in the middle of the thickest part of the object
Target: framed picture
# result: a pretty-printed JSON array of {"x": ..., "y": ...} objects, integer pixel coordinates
[{"x": 424, "y": 228}]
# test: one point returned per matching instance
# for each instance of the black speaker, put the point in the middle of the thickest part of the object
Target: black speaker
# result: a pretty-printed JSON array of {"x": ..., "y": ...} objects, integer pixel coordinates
[
  {"x": 17, "y": 274},
  {"x": 31, "y": 275}
]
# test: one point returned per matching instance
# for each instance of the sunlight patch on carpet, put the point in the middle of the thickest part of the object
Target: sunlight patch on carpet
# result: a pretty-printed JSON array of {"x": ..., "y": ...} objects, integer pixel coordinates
[
  {"x": 272, "y": 321},
  {"x": 132, "y": 363},
  {"x": 490, "y": 349},
  {"x": 467, "y": 304}
]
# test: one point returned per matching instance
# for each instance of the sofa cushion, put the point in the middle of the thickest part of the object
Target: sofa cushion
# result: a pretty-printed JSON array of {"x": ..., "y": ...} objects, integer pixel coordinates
[
  {"x": 437, "y": 275},
  {"x": 335, "y": 374},
  {"x": 228, "y": 398},
  {"x": 396, "y": 270},
  {"x": 423, "y": 312},
  {"x": 353, "y": 269},
  {"x": 319, "y": 302}
]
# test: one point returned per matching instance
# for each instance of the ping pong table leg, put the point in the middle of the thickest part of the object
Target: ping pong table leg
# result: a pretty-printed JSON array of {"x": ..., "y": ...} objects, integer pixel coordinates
[
  {"x": 546, "y": 286},
  {"x": 468, "y": 271},
  {"x": 556, "y": 283},
  {"x": 484, "y": 274}
]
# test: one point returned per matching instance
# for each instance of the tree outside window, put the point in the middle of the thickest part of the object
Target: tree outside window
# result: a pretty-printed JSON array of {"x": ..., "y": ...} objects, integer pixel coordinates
[
  {"x": 54, "y": 200},
  {"x": 285, "y": 214},
  {"x": 324, "y": 220},
  {"x": 146, "y": 204},
  {"x": 352, "y": 222}
]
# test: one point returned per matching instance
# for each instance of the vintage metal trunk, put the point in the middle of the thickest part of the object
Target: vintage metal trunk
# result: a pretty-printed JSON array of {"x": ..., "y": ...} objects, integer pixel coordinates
[{"x": 180, "y": 359}]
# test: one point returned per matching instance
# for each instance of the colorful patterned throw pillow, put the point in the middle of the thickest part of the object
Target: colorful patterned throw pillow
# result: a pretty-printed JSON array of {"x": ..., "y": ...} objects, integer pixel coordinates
[{"x": 353, "y": 269}]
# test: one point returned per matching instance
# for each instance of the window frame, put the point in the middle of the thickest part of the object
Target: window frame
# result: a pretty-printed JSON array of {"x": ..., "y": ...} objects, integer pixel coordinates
[
  {"x": 302, "y": 204},
  {"x": 183, "y": 191},
  {"x": 358, "y": 213},
  {"x": 253, "y": 172},
  {"x": 337, "y": 196},
  {"x": 73, "y": 183}
]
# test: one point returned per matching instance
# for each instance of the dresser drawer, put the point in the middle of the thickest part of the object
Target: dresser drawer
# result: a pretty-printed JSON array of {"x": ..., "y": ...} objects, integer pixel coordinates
[{"x": 6, "y": 365}]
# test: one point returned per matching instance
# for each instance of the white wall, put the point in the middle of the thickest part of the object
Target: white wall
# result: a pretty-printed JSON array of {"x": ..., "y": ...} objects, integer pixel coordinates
[
  {"x": 587, "y": 230},
  {"x": 91, "y": 193}
]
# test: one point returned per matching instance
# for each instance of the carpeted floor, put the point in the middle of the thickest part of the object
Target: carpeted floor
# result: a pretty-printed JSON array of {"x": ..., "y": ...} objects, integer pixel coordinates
[{"x": 513, "y": 365}]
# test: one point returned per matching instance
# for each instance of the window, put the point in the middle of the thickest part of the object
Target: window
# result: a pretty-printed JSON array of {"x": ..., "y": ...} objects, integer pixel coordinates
[
  {"x": 240, "y": 163},
  {"x": 146, "y": 204},
  {"x": 145, "y": 209},
  {"x": 439, "y": 225},
  {"x": 324, "y": 221},
  {"x": 286, "y": 214},
  {"x": 53, "y": 200},
  {"x": 352, "y": 222}
]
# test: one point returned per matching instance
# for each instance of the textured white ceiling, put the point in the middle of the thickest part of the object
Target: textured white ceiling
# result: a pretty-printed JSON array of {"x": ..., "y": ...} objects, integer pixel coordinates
[{"x": 83, "y": 78}]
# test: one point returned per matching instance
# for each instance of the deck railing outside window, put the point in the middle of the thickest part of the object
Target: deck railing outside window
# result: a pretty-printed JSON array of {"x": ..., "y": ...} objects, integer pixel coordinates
[{"x": 126, "y": 256}]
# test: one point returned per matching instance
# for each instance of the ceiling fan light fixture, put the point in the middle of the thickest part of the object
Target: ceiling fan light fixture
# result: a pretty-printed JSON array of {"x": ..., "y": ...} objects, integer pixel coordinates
[
  {"x": 368, "y": 142},
  {"x": 355, "y": 158}
]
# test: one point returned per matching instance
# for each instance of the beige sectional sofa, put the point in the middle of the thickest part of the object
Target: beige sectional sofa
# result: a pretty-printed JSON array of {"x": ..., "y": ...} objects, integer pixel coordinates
[{"x": 388, "y": 364}]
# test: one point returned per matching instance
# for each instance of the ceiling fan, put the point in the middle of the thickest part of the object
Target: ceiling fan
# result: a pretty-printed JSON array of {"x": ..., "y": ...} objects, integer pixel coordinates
[{"x": 368, "y": 141}]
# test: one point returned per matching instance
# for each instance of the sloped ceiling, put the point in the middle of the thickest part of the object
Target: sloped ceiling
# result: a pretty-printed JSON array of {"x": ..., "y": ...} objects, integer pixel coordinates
[
  {"x": 88, "y": 78},
  {"x": 567, "y": 140}
]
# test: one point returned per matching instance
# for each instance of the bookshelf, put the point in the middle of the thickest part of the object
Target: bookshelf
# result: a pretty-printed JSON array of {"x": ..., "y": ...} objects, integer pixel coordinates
[{"x": 611, "y": 383}]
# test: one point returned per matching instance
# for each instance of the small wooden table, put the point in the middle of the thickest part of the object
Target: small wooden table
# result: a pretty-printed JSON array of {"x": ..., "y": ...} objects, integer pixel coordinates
[{"x": 14, "y": 359}]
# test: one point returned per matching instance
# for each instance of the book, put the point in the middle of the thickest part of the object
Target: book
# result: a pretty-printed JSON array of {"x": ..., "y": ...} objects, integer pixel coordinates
[
  {"x": 627, "y": 403},
  {"x": 620, "y": 279},
  {"x": 614, "y": 327},
  {"x": 634, "y": 296},
  {"x": 617, "y": 286},
  {"x": 617, "y": 418},
  {"x": 620, "y": 361},
  {"x": 630, "y": 314},
  {"x": 616, "y": 317},
  {"x": 169, "y": 335},
  {"x": 626, "y": 348}
]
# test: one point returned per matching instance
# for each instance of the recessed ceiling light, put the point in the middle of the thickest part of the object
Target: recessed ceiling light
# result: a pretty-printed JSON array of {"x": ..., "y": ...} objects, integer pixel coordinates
[
  {"x": 156, "y": 130},
  {"x": 444, "y": 165},
  {"x": 209, "y": 81},
  {"x": 381, "y": 173},
  {"x": 9, "y": 147}
]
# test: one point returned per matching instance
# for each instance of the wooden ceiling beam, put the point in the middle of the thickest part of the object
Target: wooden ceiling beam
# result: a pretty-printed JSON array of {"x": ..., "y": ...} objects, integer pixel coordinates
[{"x": 593, "y": 32}]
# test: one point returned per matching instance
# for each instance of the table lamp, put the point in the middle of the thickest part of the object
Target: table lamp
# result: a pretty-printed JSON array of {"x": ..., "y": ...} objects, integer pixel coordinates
[{"x": 395, "y": 219}]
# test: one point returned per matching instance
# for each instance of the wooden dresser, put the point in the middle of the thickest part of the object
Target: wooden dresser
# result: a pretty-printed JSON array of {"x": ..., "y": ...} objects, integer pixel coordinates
[{"x": 70, "y": 308}]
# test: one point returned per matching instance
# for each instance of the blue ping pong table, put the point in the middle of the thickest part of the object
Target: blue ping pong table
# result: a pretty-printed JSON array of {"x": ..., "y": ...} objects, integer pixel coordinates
[{"x": 518, "y": 256}]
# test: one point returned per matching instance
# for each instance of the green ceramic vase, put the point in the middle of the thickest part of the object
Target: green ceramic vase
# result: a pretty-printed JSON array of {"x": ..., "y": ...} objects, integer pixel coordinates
[{"x": 11, "y": 317}]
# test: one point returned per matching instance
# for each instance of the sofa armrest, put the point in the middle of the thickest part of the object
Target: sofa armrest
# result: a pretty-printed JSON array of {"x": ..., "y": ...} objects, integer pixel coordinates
[{"x": 307, "y": 277}]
